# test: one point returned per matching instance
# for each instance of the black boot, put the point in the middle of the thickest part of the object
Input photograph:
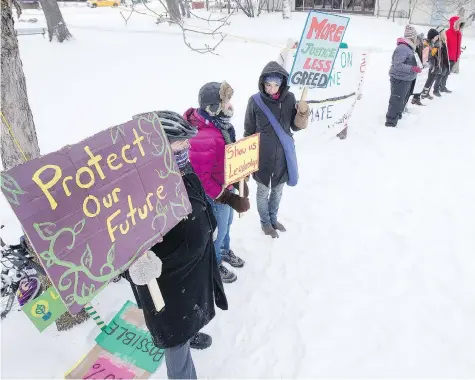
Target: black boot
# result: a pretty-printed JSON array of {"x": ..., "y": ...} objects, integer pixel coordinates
[
  {"x": 425, "y": 94},
  {"x": 447, "y": 91},
  {"x": 417, "y": 102},
  {"x": 201, "y": 341},
  {"x": 437, "y": 93}
]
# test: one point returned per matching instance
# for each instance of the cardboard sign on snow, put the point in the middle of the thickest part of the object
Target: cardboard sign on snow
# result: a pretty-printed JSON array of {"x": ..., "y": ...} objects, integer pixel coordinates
[
  {"x": 127, "y": 337},
  {"x": 318, "y": 49},
  {"x": 45, "y": 309},
  {"x": 100, "y": 364},
  {"x": 92, "y": 208},
  {"x": 241, "y": 159}
]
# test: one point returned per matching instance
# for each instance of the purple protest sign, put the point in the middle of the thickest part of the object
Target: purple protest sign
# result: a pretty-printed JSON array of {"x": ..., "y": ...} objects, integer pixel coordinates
[{"x": 92, "y": 208}]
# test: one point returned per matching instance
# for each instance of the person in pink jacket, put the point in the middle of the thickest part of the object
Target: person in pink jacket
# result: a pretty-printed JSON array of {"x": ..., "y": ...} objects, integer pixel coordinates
[{"x": 215, "y": 131}]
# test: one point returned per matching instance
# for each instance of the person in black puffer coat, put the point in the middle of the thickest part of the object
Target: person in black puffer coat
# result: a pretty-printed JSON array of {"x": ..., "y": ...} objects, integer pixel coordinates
[
  {"x": 272, "y": 174},
  {"x": 433, "y": 44},
  {"x": 190, "y": 281},
  {"x": 440, "y": 84}
]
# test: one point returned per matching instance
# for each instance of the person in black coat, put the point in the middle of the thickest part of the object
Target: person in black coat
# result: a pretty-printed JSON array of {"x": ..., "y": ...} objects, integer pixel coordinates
[
  {"x": 433, "y": 43},
  {"x": 190, "y": 281},
  {"x": 273, "y": 174},
  {"x": 440, "y": 84}
]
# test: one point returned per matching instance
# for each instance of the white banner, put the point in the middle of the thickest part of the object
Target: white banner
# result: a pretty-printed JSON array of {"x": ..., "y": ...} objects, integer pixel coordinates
[
  {"x": 331, "y": 107},
  {"x": 421, "y": 77}
]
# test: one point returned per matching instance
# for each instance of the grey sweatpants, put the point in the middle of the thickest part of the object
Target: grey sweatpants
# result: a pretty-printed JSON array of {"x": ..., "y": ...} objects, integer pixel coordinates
[{"x": 179, "y": 362}]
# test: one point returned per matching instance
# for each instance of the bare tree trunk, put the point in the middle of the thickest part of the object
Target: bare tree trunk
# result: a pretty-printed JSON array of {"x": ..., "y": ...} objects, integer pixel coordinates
[
  {"x": 17, "y": 115},
  {"x": 395, "y": 9},
  {"x": 390, "y": 9},
  {"x": 286, "y": 11},
  {"x": 187, "y": 8},
  {"x": 54, "y": 20},
  {"x": 174, "y": 10},
  {"x": 15, "y": 107},
  {"x": 411, "y": 11}
]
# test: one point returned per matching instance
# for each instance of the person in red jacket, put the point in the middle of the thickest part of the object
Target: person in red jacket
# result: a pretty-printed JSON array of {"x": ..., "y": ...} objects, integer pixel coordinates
[
  {"x": 454, "y": 40},
  {"x": 215, "y": 131}
]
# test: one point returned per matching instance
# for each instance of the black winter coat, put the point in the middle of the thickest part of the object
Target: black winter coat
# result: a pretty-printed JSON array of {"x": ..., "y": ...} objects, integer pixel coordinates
[
  {"x": 190, "y": 282},
  {"x": 272, "y": 163},
  {"x": 444, "y": 60},
  {"x": 435, "y": 61}
]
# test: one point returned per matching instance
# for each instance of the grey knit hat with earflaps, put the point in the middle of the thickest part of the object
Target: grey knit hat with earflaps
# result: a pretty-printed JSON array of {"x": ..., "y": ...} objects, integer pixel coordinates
[{"x": 213, "y": 96}]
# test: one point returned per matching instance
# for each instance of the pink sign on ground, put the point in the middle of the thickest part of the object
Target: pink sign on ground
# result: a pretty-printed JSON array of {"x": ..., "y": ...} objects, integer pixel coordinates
[{"x": 104, "y": 368}]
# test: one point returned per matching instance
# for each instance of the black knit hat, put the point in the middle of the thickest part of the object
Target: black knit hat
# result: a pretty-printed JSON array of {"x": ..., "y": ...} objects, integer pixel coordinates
[{"x": 431, "y": 34}]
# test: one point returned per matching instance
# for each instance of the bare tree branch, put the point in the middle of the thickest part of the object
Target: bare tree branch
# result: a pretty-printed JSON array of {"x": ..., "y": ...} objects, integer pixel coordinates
[
  {"x": 215, "y": 32},
  {"x": 130, "y": 15},
  {"x": 247, "y": 7},
  {"x": 209, "y": 19}
]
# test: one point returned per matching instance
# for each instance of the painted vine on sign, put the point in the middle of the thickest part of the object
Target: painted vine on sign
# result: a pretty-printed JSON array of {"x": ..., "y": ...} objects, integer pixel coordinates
[{"x": 92, "y": 208}]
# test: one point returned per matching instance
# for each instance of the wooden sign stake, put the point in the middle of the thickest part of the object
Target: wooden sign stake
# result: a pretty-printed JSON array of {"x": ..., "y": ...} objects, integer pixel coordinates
[
  {"x": 156, "y": 294},
  {"x": 241, "y": 191}
]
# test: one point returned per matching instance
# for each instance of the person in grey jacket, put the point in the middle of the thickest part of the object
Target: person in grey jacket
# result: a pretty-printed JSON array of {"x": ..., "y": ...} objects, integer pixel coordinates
[{"x": 403, "y": 71}]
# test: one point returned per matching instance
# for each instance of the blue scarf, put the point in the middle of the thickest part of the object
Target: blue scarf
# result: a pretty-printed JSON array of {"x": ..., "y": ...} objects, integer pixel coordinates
[
  {"x": 181, "y": 158},
  {"x": 223, "y": 123}
]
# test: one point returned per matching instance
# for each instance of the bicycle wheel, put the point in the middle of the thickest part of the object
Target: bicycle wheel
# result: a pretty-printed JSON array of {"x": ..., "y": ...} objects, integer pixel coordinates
[
  {"x": 7, "y": 303},
  {"x": 36, "y": 267}
]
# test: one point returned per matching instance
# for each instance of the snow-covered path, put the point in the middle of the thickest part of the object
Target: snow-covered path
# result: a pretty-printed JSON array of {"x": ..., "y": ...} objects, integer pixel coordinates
[{"x": 376, "y": 276}]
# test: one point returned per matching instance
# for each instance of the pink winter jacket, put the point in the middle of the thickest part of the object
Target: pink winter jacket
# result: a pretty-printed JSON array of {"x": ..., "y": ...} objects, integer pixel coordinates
[{"x": 207, "y": 153}]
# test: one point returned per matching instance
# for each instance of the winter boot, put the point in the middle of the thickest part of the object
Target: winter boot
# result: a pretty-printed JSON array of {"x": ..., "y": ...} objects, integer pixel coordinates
[
  {"x": 201, "y": 341},
  {"x": 437, "y": 93},
  {"x": 279, "y": 227},
  {"x": 388, "y": 124},
  {"x": 417, "y": 102},
  {"x": 270, "y": 231},
  {"x": 226, "y": 275},
  {"x": 233, "y": 260},
  {"x": 425, "y": 94},
  {"x": 447, "y": 91}
]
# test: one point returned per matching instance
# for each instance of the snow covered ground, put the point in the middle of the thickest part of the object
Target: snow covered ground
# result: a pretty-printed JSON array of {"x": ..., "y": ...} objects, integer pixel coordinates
[{"x": 376, "y": 276}]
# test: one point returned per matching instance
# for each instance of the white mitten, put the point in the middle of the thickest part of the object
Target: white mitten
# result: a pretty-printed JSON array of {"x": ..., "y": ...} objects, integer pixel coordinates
[{"x": 145, "y": 269}]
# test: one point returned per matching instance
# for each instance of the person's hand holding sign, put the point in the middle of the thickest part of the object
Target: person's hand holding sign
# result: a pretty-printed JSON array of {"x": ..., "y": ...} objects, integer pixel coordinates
[{"x": 303, "y": 112}]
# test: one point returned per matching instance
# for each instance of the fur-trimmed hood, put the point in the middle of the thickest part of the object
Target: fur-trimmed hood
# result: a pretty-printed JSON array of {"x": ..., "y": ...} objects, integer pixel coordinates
[{"x": 456, "y": 23}]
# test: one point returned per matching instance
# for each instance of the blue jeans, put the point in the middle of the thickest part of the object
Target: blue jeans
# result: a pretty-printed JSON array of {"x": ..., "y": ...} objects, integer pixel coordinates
[
  {"x": 268, "y": 205},
  {"x": 224, "y": 218},
  {"x": 179, "y": 362}
]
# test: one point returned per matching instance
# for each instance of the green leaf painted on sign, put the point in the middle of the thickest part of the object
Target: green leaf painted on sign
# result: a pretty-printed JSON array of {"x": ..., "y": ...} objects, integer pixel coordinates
[
  {"x": 127, "y": 337},
  {"x": 45, "y": 309}
]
